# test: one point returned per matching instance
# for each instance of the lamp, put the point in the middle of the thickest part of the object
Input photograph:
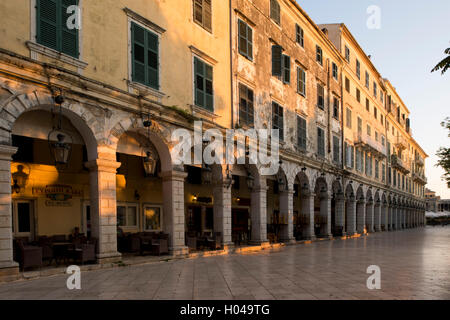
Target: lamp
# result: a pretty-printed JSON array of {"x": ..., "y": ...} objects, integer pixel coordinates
[
  {"x": 228, "y": 181},
  {"x": 19, "y": 179},
  {"x": 281, "y": 184},
  {"x": 15, "y": 188},
  {"x": 60, "y": 142},
  {"x": 151, "y": 158}
]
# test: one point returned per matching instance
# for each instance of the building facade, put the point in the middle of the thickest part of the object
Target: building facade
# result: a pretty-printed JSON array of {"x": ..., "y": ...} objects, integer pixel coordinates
[{"x": 92, "y": 94}]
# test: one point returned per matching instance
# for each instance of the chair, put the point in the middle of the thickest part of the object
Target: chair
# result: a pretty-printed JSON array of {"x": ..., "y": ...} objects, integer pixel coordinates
[
  {"x": 47, "y": 250},
  {"x": 214, "y": 241},
  {"x": 29, "y": 256},
  {"x": 145, "y": 243},
  {"x": 160, "y": 244}
]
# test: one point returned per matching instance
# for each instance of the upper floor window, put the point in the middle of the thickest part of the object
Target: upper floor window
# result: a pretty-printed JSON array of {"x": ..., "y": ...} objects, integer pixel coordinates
[
  {"x": 275, "y": 11},
  {"x": 358, "y": 69},
  {"x": 359, "y": 125},
  {"x": 245, "y": 40},
  {"x": 320, "y": 142},
  {"x": 278, "y": 119},
  {"x": 277, "y": 60},
  {"x": 299, "y": 35},
  {"x": 335, "y": 71},
  {"x": 52, "y": 30},
  {"x": 335, "y": 107},
  {"x": 375, "y": 89},
  {"x": 320, "y": 96},
  {"x": 369, "y": 130},
  {"x": 336, "y": 149},
  {"x": 301, "y": 81},
  {"x": 286, "y": 69},
  {"x": 246, "y": 109},
  {"x": 367, "y": 105},
  {"x": 202, "y": 14},
  {"x": 347, "y": 84},
  {"x": 349, "y": 118},
  {"x": 301, "y": 133},
  {"x": 375, "y": 113},
  {"x": 347, "y": 54},
  {"x": 145, "y": 56},
  {"x": 204, "y": 95},
  {"x": 319, "y": 55},
  {"x": 367, "y": 80},
  {"x": 358, "y": 95}
]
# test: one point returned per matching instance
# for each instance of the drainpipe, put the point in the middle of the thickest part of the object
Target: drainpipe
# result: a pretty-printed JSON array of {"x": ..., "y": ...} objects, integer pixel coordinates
[{"x": 231, "y": 64}]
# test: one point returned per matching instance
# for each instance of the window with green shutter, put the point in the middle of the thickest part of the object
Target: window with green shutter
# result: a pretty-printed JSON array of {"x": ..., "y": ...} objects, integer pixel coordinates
[
  {"x": 204, "y": 96},
  {"x": 202, "y": 13},
  {"x": 145, "y": 56},
  {"x": 275, "y": 11},
  {"x": 301, "y": 81},
  {"x": 286, "y": 69},
  {"x": 278, "y": 119},
  {"x": 320, "y": 142},
  {"x": 246, "y": 110},
  {"x": 336, "y": 149},
  {"x": 301, "y": 133},
  {"x": 52, "y": 30},
  {"x": 300, "y": 35},
  {"x": 245, "y": 40}
]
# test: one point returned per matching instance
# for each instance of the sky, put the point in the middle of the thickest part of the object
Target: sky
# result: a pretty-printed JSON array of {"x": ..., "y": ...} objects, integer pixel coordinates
[{"x": 410, "y": 41}]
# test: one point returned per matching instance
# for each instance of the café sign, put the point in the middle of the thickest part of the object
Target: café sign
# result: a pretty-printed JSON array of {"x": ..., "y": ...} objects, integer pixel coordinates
[{"x": 58, "y": 195}]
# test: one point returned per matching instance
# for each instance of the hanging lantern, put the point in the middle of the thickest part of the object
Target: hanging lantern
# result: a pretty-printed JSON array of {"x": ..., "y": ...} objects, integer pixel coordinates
[
  {"x": 206, "y": 174},
  {"x": 228, "y": 181},
  {"x": 149, "y": 162},
  {"x": 250, "y": 181},
  {"x": 61, "y": 148},
  {"x": 281, "y": 184}
]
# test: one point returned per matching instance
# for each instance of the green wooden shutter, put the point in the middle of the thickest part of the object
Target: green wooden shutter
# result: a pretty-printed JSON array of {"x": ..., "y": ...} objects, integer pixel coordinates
[
  {"x": 47, "y": 23},
  {"x": 152, "y": 60},
  {"x": 138, "y": 53},
  {"x": 69, "y": 38},
  {"x": 277, "y": 60},
  {"x": 286, "y": 69},
  {"x": 209, "y": 97}
]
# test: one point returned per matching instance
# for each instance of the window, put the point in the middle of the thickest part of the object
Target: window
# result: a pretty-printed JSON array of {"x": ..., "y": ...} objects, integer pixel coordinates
[
  {"x": 358, "y": 69},
  {"x": 301, "y": 81},
  {"x": 319, "y": 55},
  {"x": 320, "y": 96},
  {"x": 369, "y": 130},
  {"x": 275, "y": 11},
  {"x": 383, "y": 140},
  {"x": 127, "y": 215},
  {"x": 204, "y": 96},
  {"x": 367, "y": 80},
  {"x": 335, "y": 107},
  {"x": 377, "y": 169},
  {"x": 277, "y": 119},
  {"x": 335, "y": 71},
  {"x": 358, "y": 95},
  {"x": 145, "y": 56},
  {"x": 52, "y": 31},
  {"x": 347, "y": 84},
  {"x": 202, "y": 13},
  {"x": 320, "y": 142},
  {"x": 359, "y": 126},
  {"x": 301, "y": 133},
  {"x": 375, "y": 112},
  {"x": 347, "y": 54},
  {"x": 246, "y": 110},
  {"x": 375, "y": 89},
  {"x": 367, "y": 105},
  {"x": 349, "y": 156},
  {"x": 336, "y": 149},
  {"x": 245, "y": 40},
  {"x": 376, "y": 136},
  {"x": 368, "y": 166},
  {"x": 381, "y": 96},
  {"x": 383, "y": 172},
  {"x": 381, "y": 119},
  {"x": 299, "y": 35},
  {"x": 359, "y": 160},
  {"x": 349, "y": 118},
  {"x": 286, "y": 69},
  {"x": 152, "y": 218},
  {"x": 277, "y": 60}
]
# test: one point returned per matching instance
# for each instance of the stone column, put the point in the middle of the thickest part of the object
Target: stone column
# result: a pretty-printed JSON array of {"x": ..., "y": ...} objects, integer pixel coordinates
[
  {"x": 340, "y": 212},
  {"x": 222, "y": 212},
  {"x": 287, "y": 214},
  {"x": 258, "y": 212},
  {"x": 351, "y": 216},
  {"x": 325, "y": 213},
  {"x": 361, "y": 216},
  {"x": 384, "y": 217},
  {"x": 174, "y": 218},
  {"x": 370, "y": 217},
  {"x": 307, "y": 210},
  {"x": 394, "y": 218},
  {"x": 377, "y": 216},
  {"x": 104, "y": 208},
  {"x": 9, "y": 269},
  {"x": 400, "y": 218}
]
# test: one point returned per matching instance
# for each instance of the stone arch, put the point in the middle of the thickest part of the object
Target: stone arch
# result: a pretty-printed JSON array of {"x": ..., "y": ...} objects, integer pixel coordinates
[
  {"x": 79, "y": 116},
  {"x": 159, "y": 136}
]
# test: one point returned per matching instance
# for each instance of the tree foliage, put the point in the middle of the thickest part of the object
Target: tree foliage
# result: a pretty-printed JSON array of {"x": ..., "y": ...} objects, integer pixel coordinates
[
  {"x": 444, "y": 65},
  {"x": 444, "y": 155}
]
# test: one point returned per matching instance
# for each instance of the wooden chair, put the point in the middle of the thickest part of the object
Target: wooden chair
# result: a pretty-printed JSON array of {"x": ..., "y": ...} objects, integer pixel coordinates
[{"x": 29, "y": 256}]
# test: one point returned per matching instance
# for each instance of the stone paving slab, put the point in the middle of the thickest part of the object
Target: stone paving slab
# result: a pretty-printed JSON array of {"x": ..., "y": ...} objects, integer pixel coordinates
[{"x": 414, "y": 265}]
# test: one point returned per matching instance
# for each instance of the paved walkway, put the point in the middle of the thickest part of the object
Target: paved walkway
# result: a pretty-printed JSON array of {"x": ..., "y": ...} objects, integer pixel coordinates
[{"x": 415, "y": 264}]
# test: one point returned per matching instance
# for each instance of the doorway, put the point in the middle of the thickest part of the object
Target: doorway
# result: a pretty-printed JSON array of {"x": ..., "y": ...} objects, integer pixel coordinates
[{"x": 23, "y": 219}]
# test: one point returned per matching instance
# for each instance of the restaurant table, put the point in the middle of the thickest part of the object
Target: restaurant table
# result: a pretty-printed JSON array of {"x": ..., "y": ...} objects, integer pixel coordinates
[{"x": 61, "y": 251}]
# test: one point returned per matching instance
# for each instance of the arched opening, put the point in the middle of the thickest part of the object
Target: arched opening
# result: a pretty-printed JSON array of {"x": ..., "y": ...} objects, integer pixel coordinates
[
  {"x": 48, "y": 196},
  {"x": 337, "y": 209},
  {"x": 350, "y": 210},
  {"x": 277, "y": 219},
  {"x": 301, "y": 205},
  {"x": 360, "y": 210},
  {"x": 369, "y": 218},
  {"x": 322, "y": 201}
]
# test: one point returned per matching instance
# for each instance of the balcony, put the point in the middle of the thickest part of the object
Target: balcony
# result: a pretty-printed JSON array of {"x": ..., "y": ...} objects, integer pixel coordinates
[
  {"x": 400, "y": 143},
  {"x": 419, "y": 161},
  {"x": 370, "y": 145},
  {"x": 398, "y": 164},
  {"x": 419, "y": 178}
]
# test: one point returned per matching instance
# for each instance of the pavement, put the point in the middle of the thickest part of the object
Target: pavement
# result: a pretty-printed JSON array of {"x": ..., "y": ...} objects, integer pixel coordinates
[{"x": 414, "y": 264}]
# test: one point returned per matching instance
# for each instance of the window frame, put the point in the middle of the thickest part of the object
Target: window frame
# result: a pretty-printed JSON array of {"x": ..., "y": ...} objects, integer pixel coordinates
[
  {"x": 321, "y": 91},
  {"x": 319, "y": 55},
  {"x": 321, "y": 144},
  {"x": 276, "y": 107},
  {"x": 336, "y": 151},
  {"x": 202, "y": 24},
  {"x": 126, "y": 205},
  {"x": 161, "y": 216},
  {"x": 347, "y": 54},
  {"x": 247, "y": 28},
  {"x": 358, "y": 69},
  {"x": 278, "y": 8},
  {"x": 299, "y": 36},
  {"x": 247, "y": 90},
  {"x": 194, "y": 58},
  {"x": 304, "y": 139}
]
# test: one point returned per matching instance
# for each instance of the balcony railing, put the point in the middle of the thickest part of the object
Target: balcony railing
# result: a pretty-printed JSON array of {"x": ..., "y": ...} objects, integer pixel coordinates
[
  {"x": 401, "y": 143},
  {"x": 419, "y": 161},
  {"x": 369, "y": 144},
  {"x": 420, "y": 178},
  {"x": 398, "y": 164}
]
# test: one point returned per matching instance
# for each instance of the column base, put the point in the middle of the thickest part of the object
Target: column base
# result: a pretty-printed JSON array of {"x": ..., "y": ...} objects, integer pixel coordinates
[
  {"x": 289, "y": 241},
  {"x": 104, "y": 258},
  {"x": 228, "y": 246},
  {"x": 9, "y": 271},
  {"x": 179, "y": 251},
  {"x": 262, "y": 243}
]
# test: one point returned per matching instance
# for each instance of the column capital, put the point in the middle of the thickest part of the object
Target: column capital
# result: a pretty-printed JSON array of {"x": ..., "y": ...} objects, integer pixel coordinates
[
  {"x": 103, "y": 165},
  {"x": 173, "y": 175},
  {"x": 6, "y": 152},
  {"x": 288, "y": 192}
]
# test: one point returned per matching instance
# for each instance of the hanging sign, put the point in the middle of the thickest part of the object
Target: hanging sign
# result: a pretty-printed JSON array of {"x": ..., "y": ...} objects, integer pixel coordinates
[{"x": 58, "y": 195}]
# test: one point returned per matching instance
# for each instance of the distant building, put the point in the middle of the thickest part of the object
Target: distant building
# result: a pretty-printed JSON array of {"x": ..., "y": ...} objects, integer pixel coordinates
[{"x": 434, "y": 203}]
